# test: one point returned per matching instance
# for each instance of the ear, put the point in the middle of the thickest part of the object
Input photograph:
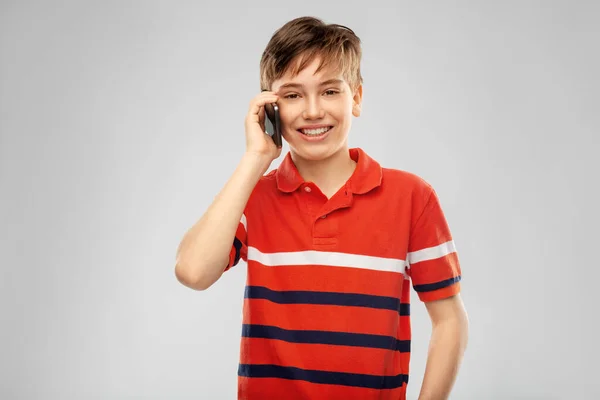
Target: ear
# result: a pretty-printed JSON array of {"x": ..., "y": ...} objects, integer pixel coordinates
[{"x": 357, "y": 101}]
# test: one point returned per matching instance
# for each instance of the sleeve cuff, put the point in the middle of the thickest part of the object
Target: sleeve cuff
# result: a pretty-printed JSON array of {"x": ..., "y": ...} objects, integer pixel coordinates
[{"x": 439, "y": 294}]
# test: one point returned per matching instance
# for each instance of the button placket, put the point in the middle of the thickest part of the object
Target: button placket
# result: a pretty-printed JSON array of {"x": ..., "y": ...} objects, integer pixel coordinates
[
  {"x": 325, "y": 231},
  {"x": 312, "y": 199}
]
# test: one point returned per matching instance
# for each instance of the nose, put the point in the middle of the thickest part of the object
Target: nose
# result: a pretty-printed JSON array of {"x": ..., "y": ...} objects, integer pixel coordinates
[{"x": 313, "y": 109}]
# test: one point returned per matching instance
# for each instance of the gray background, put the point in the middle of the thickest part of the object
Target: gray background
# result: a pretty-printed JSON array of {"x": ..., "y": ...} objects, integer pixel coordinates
[{"x": 120, "y": 121}]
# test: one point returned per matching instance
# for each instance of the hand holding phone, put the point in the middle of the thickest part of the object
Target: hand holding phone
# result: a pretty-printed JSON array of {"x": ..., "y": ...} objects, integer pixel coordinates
[{"x": 258, "y": 142}]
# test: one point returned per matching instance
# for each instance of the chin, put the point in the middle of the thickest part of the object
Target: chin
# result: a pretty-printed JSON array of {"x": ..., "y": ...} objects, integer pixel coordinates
[{"x": 315, "y": 152}]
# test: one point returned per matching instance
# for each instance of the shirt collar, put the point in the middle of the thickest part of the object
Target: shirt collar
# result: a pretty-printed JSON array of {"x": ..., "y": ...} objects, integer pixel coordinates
[{"x": 366, "y": 176}]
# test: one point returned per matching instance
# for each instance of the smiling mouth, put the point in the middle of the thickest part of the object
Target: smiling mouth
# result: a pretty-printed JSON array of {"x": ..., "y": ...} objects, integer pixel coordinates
[{"x": 315, "y": 132}]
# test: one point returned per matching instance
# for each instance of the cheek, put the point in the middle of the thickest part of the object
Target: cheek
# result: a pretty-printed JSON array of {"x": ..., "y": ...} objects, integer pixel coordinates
[
  {"x": 285, "y": 116},
  {"x": 286, "y": 125}
]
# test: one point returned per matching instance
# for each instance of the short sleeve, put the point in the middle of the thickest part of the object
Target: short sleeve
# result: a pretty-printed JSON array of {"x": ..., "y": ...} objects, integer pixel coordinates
[
  {"x": 239, "y": 249},
  {"x": 433, "y": 263}
]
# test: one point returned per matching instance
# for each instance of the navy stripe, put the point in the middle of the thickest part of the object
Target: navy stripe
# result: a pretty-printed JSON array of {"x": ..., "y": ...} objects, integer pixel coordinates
[
  {"x": 324, "y": 377},
  {"x": 328, "y": 298},
  {"x": 325, "y": 337},
  {"x": 238, "y": 247},
  {"x": 438, "y": 285}
]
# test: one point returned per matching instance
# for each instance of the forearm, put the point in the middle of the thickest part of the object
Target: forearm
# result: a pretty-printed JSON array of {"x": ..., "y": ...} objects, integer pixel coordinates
[
  {"x": 204, "y": 250},
  {"x": 446, "y": 348}
]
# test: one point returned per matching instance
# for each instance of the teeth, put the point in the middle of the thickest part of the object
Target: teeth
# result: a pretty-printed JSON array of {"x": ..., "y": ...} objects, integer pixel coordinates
[{"x": 311, "y": 132}]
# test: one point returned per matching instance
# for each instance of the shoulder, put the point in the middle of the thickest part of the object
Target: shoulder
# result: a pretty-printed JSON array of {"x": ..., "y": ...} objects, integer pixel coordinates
[
  {"x": 268, "y": 182},
  {"x": 409, "y": 189},
  {"x": 406, "y": 181},
  {"x": 266, "y": 186}
]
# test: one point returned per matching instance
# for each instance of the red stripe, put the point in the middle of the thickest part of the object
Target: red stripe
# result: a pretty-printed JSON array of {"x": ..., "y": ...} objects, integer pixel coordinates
[
  {"x": 325, "y": 317},
  {"x": 282, "y": 389},
  {"x": 322, "y": 357},
  {"x": 326, "y": 279}
]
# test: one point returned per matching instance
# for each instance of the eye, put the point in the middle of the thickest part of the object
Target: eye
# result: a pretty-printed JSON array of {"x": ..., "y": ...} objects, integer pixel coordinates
[
  {"x": 331, "y": 92},
  {"x": 291, "y": 96}
]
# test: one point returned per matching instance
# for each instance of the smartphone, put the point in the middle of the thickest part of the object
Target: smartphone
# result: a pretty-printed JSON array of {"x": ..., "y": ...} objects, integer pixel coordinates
[{"x": 273, "y": 123}]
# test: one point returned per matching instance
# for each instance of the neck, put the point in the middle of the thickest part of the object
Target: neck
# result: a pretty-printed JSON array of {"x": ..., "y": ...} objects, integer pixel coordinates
[{"x": 329, "y": 174}]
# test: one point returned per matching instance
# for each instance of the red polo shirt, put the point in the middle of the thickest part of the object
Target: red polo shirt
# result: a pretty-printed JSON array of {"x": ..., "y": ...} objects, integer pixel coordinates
[{"x": 327, "y": 301}]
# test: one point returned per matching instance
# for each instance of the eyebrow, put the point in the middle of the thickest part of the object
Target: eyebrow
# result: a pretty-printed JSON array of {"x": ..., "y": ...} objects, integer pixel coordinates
[{"x": 297, "y": 85}]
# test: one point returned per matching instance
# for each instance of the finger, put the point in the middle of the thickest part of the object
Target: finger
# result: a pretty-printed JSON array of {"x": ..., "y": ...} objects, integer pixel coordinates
[
  {"x": 261, "y": 117},
  {"x": 260, "y": 101}
]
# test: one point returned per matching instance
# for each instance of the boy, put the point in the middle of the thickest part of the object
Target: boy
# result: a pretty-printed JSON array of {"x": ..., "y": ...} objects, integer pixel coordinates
[{"x": 332, "y": 241}]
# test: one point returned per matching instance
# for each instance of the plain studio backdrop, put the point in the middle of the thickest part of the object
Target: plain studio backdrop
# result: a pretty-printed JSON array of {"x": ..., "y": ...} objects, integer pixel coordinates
[{"x": 120, "y": 122}]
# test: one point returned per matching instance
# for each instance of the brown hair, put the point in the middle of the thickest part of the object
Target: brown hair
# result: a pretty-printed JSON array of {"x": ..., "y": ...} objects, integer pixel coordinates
[{"x": 299, "y": 41}]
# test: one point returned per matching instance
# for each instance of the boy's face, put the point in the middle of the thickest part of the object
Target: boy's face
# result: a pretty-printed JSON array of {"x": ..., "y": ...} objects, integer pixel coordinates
[{"x": 316, "y": 111}]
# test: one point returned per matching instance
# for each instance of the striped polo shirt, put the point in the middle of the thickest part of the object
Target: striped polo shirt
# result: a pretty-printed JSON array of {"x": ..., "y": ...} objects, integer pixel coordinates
[{"x": 326, "y": 310}]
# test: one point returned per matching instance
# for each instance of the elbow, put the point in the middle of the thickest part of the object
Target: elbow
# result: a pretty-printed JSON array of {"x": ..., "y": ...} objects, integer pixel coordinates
[{"x": 194, "y": 280}]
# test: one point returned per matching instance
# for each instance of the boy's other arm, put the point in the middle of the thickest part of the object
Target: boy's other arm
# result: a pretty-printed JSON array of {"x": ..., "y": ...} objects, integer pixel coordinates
[
  {"x": 203, "y": 253},
  {"x": 446, "y": 348}
]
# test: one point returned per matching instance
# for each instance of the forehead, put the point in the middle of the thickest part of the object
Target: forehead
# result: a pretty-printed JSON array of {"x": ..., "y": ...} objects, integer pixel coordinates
[{"x": 309, "y": 74}]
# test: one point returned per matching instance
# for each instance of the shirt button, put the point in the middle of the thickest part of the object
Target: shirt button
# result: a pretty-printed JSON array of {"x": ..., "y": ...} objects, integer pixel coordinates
[
  {"x": 323, "y": 216},
  {"x": 307, "y": 189}
]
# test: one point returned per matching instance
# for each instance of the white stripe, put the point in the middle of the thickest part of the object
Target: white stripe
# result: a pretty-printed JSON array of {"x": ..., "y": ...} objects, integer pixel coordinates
[
  {"x": 312, "y": 257},
  {"x": 431, "y": 253},
  {"x": 244, "y": 222}
]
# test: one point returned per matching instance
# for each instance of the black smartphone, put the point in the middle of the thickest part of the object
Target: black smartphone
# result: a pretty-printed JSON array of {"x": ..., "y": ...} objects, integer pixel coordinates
[{"x": 273, "y": 123}]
